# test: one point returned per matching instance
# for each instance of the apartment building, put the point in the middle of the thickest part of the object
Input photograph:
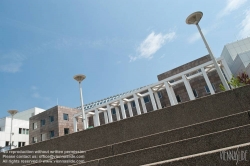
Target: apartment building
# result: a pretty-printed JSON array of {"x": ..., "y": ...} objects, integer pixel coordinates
[{"x": 54, "y": 122}]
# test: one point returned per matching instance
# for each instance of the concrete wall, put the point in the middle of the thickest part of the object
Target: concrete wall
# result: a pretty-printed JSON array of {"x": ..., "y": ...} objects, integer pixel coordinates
[{"x": 200, "y": 110}]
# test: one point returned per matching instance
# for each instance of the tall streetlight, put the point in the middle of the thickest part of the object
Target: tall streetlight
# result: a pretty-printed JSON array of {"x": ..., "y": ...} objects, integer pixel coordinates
[
  {"x": 79, "y": 78},
  {"x": 12, "y": 113},
  {"x": 195, "y": 18}
]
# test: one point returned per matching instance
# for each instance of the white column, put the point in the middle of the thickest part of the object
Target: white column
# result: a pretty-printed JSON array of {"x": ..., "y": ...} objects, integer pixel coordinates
[
  {"x": 96, "y": 118},
  {"x": 130, "y": 109},
  {"x": 75, "y": 124},
  {"x": 138, "y": 109},
  {"x": 207, "y": 81},
  {"x": 87, "y": 121},
  {"x": 109, "y": 114},
  {"x": 188, "y": 87},
  {"x": 171, "y": 94},
  {"x": 226, "y": 70},
  {"x": 157, "y": 100},
  {"x": 143, "y": 105},
  {"x": 152, "y": 98},
  {"x": 123, "y": 109},
  {"x": 117, "y": 112},
  {"x": 105, "y": 117}
]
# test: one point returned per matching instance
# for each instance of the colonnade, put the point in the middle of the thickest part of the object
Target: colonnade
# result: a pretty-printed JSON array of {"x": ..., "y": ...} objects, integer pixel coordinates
[{"x": 152, "y": 91}]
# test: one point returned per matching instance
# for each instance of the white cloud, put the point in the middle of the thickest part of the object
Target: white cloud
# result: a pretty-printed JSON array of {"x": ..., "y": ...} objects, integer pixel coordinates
[
  {"x": 11, "y": 62},
  {"x": 33, "y": 87},
  {"x": 36, "y": 95},
  {"x": 245, "y": 25},
  {"x": 10, "y": 67},
  {"x": 231, "y": 6},
  {"x": 132, "y": 58},
  {"x": 151, "y": 45},
  {"x": 162, "y": 56}
]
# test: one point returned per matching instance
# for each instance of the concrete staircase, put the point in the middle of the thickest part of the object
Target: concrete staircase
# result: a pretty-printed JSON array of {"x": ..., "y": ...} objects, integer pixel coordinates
[
  {"x": 168, "y": 147},
  {"x": 200, "y": 132}
]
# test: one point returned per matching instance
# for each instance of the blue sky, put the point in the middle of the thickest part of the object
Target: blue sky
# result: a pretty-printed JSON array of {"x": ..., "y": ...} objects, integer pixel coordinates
[{"x": 119, "y": 45}]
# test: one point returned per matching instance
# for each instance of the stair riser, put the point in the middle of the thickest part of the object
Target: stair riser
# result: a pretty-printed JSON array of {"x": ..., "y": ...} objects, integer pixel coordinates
[{"x": 180, "y": 149}]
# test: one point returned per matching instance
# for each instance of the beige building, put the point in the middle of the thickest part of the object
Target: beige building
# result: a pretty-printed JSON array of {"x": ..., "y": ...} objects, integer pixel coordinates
[{"x": 54, "y": 122}]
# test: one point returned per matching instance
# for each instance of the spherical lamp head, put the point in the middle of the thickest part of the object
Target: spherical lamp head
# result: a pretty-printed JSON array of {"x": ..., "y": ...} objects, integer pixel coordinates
[
  {"x": 12, "y": 112},
  {"x": 79, "y": 77},
  {"x": 194, "y": 18}
]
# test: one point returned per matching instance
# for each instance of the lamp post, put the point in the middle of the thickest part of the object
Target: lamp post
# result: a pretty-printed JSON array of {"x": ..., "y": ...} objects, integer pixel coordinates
[
  {"x": 79, "y": 78},
  {"x": 195, "y": 18},
  {"x": 12, "y": 113}
]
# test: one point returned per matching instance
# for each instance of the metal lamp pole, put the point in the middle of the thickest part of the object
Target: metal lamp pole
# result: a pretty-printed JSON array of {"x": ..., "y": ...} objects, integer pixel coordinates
[
  {"x": 195, "y": 18},
  {"x": 12, "y": 113},
  {"x": 79, "y": 79}
]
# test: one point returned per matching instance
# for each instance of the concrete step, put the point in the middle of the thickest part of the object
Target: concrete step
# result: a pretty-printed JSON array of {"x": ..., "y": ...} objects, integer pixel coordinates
[
  {"x": 178, "y": 116},
  {"x": 175, "y": 135},
  {"x": 233, "y": 155},
  {"x": 178, "y": 134},
  {"x": 200, "y": 144},
  {"x": 196, "y": 111}
]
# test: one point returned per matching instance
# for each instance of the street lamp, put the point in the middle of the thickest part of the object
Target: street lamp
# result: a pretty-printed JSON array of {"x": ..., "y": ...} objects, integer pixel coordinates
[
  {"x": 79, "y": 78},
  {"x": 195, "y": 18},
  {"x": 12, "y": 113}
]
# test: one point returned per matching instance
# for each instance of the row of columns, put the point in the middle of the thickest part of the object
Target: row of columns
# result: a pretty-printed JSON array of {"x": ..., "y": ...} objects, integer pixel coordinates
[{"x": 154, "y": 98}]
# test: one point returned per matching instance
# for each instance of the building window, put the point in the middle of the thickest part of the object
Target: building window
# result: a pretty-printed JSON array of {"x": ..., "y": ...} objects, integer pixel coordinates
[
  {"x": 178, "y": 98},
  {"x": 34, "y": 125},
  {"x": 133, "y": 103},
  {"x": 23, "y": 131},
  {"x": 65, "y": 116},
  {"x": 42, "y": 122},
  {"x": 195, "y": 93},
  {"x": 43, "y": 137},
  {"x": 34, "y": 139},
  {"x": 0, "y": 129},
  {"x": 213, "y": 87},
  {"x": 207, "y": 89},
  {"x": 113, "y": 111},
  {"x": 125, "y": 106},
  {"x": 21, "y": 144},
  {"x": 159, "y": 94},
  {"x": 66, "y": 131},
  {"x": 7, "y": 143},
  {"x": 146, "y": 99},
  {"x": 52, "y": 134},
  {"x": 51, "y": 118}
]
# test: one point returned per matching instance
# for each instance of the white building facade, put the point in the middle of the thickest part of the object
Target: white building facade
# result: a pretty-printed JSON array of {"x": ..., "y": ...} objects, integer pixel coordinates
[
  {"x": 237, "y": 56},
  {"x": 20, "y": 129}
]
